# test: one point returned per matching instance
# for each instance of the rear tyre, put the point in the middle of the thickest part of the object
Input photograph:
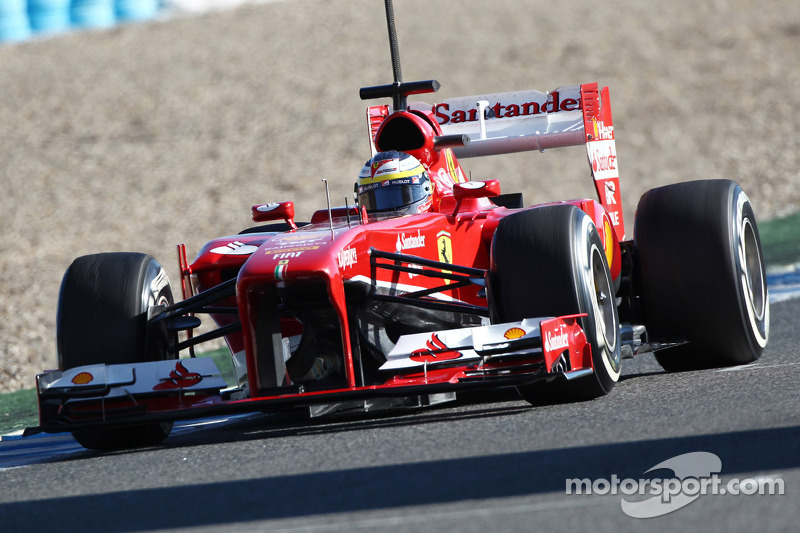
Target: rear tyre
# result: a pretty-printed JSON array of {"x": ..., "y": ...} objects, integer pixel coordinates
[
  {"x": 550, "y": 261},
  {"x": 102, "y": 319},
  {"x": 701, "y": 274}
]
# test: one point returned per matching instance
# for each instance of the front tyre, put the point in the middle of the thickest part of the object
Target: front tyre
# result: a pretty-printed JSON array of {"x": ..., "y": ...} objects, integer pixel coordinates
[
  {"x": 701, "y": 274},
  {"x": 102, "y": 319},
  {"x": 550, "y": 261}
]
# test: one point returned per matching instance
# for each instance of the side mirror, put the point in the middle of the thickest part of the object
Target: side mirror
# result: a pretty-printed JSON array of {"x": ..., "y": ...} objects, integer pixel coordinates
[
  {"x": 275, "y": 211},
  {"x": 476, "y": 189}
]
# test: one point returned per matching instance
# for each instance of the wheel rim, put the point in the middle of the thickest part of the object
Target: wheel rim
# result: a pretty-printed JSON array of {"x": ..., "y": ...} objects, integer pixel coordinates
[
  {"x": 753, "y": 281},
  {"x": 606, "y": 321},
  {"x": 154, "y": 289},
  {"x": 156, "y": 292},
  {"x": 753, "y": 273}
]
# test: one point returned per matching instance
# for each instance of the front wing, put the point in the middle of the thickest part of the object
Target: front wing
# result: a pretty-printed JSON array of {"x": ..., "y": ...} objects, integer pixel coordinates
[{"x": 515, "y": 353}]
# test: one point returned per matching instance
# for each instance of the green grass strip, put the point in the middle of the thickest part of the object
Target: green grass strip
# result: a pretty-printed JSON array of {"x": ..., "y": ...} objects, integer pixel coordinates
[
  {"x": 18, "y": 410},
  {"x": 780, "y": 240}
]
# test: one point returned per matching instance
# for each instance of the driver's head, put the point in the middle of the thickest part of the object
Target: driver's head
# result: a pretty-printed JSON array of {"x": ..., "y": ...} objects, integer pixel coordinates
[{"x": 394, "y": 182}]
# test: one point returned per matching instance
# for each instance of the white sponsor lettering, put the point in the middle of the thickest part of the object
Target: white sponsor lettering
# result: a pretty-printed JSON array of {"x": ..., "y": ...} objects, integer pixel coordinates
[
  {"x": 287, "y": 255},
  {"x": 611, "y": 190},
  {"x": 559, "y": 341},
  {"x": 347, "y": 257},
  {"x": 603, "y": 132},
  {"x": 410, "y": 242},
  {"x": 695, "y": 474},
  {"x": 412, "y": 275},
  {"x": 285, "y": 242},
  {"x": 234, "y": 248},
  {"x": 603, "y": 159},
  {"x": 290, "y": 249}
]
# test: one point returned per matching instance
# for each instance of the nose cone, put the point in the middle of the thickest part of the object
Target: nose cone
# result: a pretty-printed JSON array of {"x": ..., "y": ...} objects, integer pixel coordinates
[
  {"x": 297, "y": 277},
  {"x": 293, "y": 256}
]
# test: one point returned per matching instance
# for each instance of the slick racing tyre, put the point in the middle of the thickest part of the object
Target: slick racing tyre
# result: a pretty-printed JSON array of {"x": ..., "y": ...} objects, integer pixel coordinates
[
  {"x": 550, "y": 261},
  {"x": 102, "y": 319},
  {"x": 701, "y": 274}
]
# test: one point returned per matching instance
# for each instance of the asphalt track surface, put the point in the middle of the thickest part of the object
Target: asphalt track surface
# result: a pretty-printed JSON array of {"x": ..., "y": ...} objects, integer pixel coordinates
[{"x": 492, "y": 463}]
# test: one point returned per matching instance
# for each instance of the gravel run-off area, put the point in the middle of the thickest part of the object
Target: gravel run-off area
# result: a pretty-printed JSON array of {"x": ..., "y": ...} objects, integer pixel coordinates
[{"x": 143, "y": 136}]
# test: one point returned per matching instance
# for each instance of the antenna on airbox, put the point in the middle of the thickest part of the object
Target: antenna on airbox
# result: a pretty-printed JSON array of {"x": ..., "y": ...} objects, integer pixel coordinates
[
  {"x": 398, "y": 90},
  {"x": 394, "y": 49}
]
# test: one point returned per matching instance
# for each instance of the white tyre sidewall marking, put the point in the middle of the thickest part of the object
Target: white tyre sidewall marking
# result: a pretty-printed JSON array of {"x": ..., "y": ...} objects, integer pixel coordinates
[
  {"x": 743, "y": 226},
  {"x": 587, "y": 274}
]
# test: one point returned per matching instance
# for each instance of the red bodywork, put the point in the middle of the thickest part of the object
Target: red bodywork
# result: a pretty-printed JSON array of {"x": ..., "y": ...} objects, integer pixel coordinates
[{"x": 339, "y": 256}]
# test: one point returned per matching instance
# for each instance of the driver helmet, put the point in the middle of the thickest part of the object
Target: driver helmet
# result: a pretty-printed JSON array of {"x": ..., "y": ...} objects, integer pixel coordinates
[{"x": 394, "y": 182}]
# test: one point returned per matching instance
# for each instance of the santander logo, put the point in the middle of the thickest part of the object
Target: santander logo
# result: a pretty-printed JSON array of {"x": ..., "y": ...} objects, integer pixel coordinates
[
  {"x": 558, "y": 341},
  {"x": 604, "y": 159},
  {"x": 554, "y": 102},
  {"x": 410, "y": 242}
]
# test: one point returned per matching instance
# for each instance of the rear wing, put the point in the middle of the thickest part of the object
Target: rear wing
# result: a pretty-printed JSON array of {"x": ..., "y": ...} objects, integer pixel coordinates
[{"x": 504, "y": 123}]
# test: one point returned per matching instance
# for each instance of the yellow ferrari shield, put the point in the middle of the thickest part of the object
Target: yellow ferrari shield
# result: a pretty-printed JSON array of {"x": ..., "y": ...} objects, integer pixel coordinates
[{"x": 445, "y": 247}]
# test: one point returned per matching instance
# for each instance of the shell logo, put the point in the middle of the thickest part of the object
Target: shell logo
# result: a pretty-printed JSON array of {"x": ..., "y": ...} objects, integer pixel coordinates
[
  {"x": 83, "y": 378},
  {"x": 514, "y": 333}
]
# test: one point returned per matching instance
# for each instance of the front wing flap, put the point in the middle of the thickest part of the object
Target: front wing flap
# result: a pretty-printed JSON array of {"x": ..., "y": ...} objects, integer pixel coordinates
[
  {"x": 559, "y": 342},
  {"x": 199, "y": 374},
  {"x": 94, "y": 394}
]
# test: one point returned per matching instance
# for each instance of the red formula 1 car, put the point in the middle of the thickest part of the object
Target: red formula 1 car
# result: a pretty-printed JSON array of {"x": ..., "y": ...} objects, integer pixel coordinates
[{"x": 429, "y": 285}]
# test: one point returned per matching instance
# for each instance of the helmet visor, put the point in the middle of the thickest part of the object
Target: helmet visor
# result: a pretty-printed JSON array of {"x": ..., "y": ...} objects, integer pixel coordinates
[{"x": 382, "y": 197}]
